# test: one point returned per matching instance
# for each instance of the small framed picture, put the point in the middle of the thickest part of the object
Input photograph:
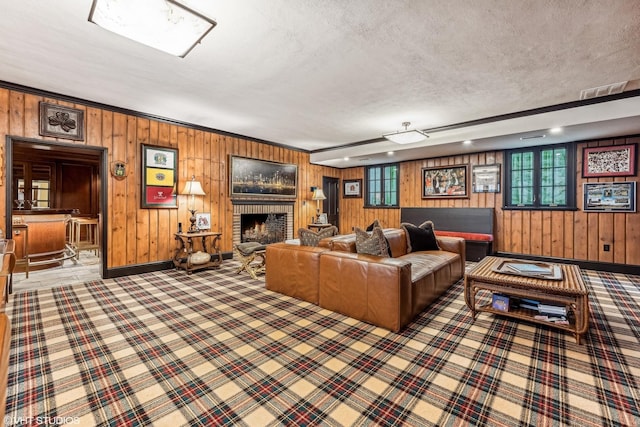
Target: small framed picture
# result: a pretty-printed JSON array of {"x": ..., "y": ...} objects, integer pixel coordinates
[
  {"x": 485, "y": 178},
  {"x": 322, "y": 219},
  {"x": 61, "y": 122},
  {"x": 614, "y": 160},
  {"x": 203, "y": 221},
  {"x": 352, "y": 188}
]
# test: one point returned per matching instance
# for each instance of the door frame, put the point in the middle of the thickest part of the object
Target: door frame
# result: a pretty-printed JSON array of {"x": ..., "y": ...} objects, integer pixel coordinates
[
  {"x": 332, "y": 196},
  {"x": 102, "y": 192}
]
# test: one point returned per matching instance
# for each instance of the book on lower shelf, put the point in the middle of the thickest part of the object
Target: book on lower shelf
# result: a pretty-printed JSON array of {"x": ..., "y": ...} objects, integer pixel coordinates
[{"x": 500, "y": 302}]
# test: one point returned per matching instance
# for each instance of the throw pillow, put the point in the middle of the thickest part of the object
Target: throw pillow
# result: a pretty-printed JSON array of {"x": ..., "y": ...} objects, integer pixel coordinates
[
  {"x": 312, "y": 238},
  {"x": 420, "y": 238},
  {"x": 373, "y": 225},
  {"x": 374, "y": 244}
]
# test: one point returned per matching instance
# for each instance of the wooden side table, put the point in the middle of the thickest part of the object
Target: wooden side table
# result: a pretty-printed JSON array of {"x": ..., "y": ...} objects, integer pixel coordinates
[{"x": 209, "y": 243}]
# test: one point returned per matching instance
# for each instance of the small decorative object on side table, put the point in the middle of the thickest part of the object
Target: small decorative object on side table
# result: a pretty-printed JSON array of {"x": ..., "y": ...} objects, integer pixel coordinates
[{"x": 207, "y": 256}]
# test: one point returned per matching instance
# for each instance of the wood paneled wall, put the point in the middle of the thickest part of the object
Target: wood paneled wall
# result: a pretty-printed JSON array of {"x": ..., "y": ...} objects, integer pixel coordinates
[
  {"x": 560, "y": 234},
  {"x": 139, "y": 236}
]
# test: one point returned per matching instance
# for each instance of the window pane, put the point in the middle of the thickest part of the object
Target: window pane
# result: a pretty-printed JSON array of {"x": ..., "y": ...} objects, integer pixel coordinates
[
  {"x": 516, "y": 179},
  {"x": 515, "y": 196},
  {"x": 527, "y": 196},
  {"x": 546, "y": 160},
  {"x": 546, "y": 195},
  {"x": 560, "y": 157},
  {"x": 527, "y": 160},
  {"x": 560, "y": 196},
  {"x": 546, "y": 177},
  {"x": 516, "y": 161},
  {"x": 560, "y": 176},
  {"x": 527, "y": 178}
]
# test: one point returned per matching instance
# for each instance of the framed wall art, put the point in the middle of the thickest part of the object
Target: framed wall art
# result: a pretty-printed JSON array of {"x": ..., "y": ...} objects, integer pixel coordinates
[
  {"x": 159, "y": 177},
  {"x": 352, "y": 188},
  {"x": 485, "y": 178},
  {"x": 444, "y": 182},
  {"x": 203, "y": 221},
  {"x": 262, "y": 179},
  {"x": 61, "y": 122},
  {"x": 610, "y": 197},
  {"x": 614, "y": 160}
]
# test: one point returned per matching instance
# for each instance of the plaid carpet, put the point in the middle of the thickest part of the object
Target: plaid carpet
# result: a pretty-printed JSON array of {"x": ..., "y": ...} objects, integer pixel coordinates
[{"x": 213, "y": 348}]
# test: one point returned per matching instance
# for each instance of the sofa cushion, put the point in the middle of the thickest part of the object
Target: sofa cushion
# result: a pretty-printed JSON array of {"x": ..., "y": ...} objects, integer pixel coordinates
[
  {"x": 420, "y": 238},
  {"x": 312, "y": 238},
  {"x": 374, "y": 244}
]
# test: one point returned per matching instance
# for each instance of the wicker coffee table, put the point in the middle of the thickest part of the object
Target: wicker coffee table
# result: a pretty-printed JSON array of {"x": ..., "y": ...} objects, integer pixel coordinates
[{"x": 569, "y": 291}]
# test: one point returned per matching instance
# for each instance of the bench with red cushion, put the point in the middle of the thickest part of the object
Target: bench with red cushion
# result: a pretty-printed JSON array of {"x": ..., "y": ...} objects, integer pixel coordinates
[{"x": 475, "y": 225}]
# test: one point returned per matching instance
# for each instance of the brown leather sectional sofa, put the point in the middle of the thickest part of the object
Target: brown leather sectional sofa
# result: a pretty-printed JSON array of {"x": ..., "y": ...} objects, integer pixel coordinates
[{"x": 387, "y": 292}]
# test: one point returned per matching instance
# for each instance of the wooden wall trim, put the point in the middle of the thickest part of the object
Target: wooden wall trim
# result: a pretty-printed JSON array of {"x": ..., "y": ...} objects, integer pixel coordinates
[{"x": 142, "y": 115}]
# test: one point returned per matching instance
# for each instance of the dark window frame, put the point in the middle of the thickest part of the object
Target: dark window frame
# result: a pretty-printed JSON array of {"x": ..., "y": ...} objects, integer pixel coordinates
[
  {"x": 383, "y": 180},
  {"x": 570, "y": 171}
]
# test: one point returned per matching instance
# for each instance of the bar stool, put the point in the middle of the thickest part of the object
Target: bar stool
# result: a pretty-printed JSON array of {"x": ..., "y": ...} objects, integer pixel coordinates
[{"x": 91, "y": 241}]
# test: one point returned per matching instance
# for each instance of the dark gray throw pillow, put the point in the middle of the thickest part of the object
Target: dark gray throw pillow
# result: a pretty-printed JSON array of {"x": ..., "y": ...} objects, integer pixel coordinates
[
  {"x": 373, "y": 225},
  {"x": 374, "y": 244},
  {"x": 420, "y": 238}
]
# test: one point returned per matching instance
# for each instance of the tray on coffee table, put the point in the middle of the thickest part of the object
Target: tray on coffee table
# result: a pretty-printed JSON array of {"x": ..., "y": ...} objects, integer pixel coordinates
[{"x": 539, "y": 270}]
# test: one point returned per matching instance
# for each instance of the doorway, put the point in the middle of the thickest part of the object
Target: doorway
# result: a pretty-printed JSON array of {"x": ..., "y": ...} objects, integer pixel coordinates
[
  {"x": 43, "y": 179},
  {"x": 331, "y": 205}
]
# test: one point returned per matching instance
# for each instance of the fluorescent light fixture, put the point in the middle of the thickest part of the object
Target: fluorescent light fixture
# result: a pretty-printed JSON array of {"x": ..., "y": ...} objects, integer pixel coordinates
[
  {"x": 165, "y": 25},
  {"x": 406, "y": 136}
]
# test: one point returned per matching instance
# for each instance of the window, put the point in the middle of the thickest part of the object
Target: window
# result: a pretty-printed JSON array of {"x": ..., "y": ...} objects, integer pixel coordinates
[
  {"x": 540, "y": 178},
  {"x": 382, "y": 185}
]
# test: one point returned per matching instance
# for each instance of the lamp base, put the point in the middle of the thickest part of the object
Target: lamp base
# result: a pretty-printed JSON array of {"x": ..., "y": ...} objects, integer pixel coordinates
[{"x": 193, "y": 228}]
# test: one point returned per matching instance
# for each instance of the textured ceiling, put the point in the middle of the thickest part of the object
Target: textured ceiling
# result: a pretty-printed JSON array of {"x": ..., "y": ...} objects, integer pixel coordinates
[{"x": 323, "y": 74}]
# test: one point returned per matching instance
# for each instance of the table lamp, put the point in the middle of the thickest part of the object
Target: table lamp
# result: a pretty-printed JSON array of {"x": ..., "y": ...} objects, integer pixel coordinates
[
  {"x": 318, "y": 195},
  {"x": 193, "y": 188}
]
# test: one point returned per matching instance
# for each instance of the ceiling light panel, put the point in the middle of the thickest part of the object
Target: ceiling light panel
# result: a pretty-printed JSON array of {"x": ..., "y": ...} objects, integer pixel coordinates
[{"x": 165, "y": 25}]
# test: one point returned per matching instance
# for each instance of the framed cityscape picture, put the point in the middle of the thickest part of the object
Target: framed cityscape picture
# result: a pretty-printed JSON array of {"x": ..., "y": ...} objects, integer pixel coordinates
[
  {"x": 159, "y": 177},
  {"x": 253, "y": 178}
]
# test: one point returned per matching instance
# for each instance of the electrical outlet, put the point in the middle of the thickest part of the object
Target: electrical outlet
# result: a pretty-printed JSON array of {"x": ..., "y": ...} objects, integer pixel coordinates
[{"x": 606, "y": 248}]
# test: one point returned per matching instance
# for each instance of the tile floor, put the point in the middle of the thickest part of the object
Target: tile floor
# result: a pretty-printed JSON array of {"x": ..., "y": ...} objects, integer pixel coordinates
[{"x": 86, "y": 269}]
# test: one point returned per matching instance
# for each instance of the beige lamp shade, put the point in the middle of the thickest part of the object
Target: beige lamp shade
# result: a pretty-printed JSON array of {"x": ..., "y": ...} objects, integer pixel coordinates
[
  {"x": 318, "y": 194},
  {"x": 193, "y": 188}
]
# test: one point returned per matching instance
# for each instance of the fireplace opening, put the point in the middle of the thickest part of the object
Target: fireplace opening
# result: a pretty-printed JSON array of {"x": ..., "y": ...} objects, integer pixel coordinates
[{"x": 262, "y": 228}]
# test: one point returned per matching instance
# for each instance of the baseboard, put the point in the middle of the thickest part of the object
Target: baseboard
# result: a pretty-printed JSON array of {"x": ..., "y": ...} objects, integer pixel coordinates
[
  {"x": 130, "y": 270},
  {"x": 587, "y": 265}
]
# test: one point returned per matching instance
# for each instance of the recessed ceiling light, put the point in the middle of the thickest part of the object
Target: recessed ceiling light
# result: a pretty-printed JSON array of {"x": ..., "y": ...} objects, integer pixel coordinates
[
  {"x": 555, "y": 130},
  {"x": 389, "y": 153},
  {"x": 467, "y": 142},
  {"x": 346, "y": 159}
]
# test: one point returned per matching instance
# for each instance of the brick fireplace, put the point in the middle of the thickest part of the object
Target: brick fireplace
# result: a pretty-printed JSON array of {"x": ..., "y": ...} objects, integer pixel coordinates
[{"x": 256, "y": 214}]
